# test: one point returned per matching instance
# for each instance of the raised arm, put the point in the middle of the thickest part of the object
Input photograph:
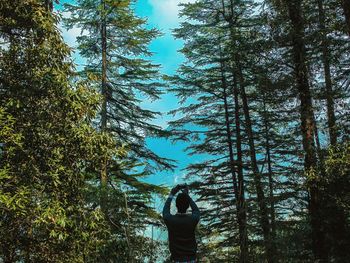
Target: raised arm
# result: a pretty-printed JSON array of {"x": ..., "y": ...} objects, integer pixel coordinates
[
  {"x": 166, "y": 208},
  {"x": 195, "y": 210}
]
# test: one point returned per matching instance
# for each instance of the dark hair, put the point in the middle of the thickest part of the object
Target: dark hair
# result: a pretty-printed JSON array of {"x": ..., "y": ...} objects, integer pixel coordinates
[{"x": 182, "y": 202}]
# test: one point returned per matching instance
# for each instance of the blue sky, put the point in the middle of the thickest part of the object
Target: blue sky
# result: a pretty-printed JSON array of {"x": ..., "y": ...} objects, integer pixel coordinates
[{"x": 163, "y": 15}]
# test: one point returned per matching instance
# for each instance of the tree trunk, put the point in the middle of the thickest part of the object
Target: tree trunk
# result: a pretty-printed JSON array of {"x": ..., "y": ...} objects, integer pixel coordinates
[
  {"x": 104, "y": 66},
  {"x": 103, "y": 176},
  {"x": 237, "y": 192},
  {"x": 127, "y": 231},
  {"x": 264, "y": 219},
  {"x": 307, "y": 128},
  {"x": 271, "y": 187},
  {"x": 327, "y": 75},
  {"x": 270, "y": 175},
  {"x": 243, "y": 238},
  {"x": 346, "y": 7},
  {"x": 228, "y": 134}
]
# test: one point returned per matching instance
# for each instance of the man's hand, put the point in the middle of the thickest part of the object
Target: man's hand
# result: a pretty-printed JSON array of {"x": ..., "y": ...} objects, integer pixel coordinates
[{"x": 174, "y": 190}]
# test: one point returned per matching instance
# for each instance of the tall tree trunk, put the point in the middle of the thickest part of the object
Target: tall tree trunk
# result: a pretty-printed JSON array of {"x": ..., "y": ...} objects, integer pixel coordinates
[
  {"x": 103, "y": 176},
  {"x": 127, "y": 231},
  {"x": 264, "y": 219},
  {"x": 271, "y": 187},
  {"x": 104, "y": 66},
  {"x": 237, "y": 192},
  {"x": 228, "y": 134},
  {"x": 327, "y": 74},
  {"x": 346, "y": 7},
  {"x": 270, "y": 174},
  {"x": 243, "y": 238},
  {"x": 307, "y": 128}
]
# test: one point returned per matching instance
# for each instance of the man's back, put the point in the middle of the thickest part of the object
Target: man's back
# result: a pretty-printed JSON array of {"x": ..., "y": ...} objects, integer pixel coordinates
[
  {"x": 182, "y": 241},
  {"x": 181, "y": 230}
]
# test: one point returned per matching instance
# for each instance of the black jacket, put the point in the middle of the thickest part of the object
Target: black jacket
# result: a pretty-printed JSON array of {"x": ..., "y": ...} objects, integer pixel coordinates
[{"x": 181, "y": 227}]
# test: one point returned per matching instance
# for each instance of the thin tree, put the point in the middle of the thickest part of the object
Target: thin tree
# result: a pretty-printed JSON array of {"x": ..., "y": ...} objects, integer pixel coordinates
[{"x": 307, "y": 127}]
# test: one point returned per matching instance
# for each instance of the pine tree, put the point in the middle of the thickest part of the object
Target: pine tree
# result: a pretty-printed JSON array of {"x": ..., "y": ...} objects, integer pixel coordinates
[
  {"x": 115, "y": 43},
  {"x": 273, "y": 131},
  {"x": 280, "y": 76}
]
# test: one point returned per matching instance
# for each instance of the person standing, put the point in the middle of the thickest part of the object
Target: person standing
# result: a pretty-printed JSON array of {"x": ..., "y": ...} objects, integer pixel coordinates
[{"x": 181, "y": 226}]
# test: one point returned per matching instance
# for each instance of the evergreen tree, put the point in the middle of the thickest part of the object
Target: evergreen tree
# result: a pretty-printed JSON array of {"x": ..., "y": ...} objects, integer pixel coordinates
[
  {"x": 115, "y": 43},
  {"x": 258, "y": 62},
  {"x": 50, "y": 210},
  {"x": 208, "y": 124},
  {"x": 264, "y": 103},
  {"x": 48, "y": 143}
]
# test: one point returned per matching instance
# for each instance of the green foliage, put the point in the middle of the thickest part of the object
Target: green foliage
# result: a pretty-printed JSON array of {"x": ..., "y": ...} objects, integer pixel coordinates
[
  {"x": 48, "y": 144},
  {"x": 250, "y": 46},
  {"x": 52, "y": 205},
  {"x": 130, "y": 76}
]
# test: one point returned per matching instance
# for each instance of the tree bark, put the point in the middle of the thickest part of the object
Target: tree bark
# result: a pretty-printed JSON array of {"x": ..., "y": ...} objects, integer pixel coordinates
[
  {"x": 270, "y": 175},
  {"x": 307, "y": 128},
  {"x": 104, "y": 66},
  {"x": 228, "y": 134},
  {"x": 327, "y": 75},
  {"x": 243, "y": 238}
]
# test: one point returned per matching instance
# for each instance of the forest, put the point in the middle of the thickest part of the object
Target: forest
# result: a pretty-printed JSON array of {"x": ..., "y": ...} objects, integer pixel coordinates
[{"x": 263, "y": 103}]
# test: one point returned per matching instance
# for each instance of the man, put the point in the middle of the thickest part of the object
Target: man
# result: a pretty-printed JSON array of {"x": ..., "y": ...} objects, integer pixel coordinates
[{"x": 181, "y": 227}]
